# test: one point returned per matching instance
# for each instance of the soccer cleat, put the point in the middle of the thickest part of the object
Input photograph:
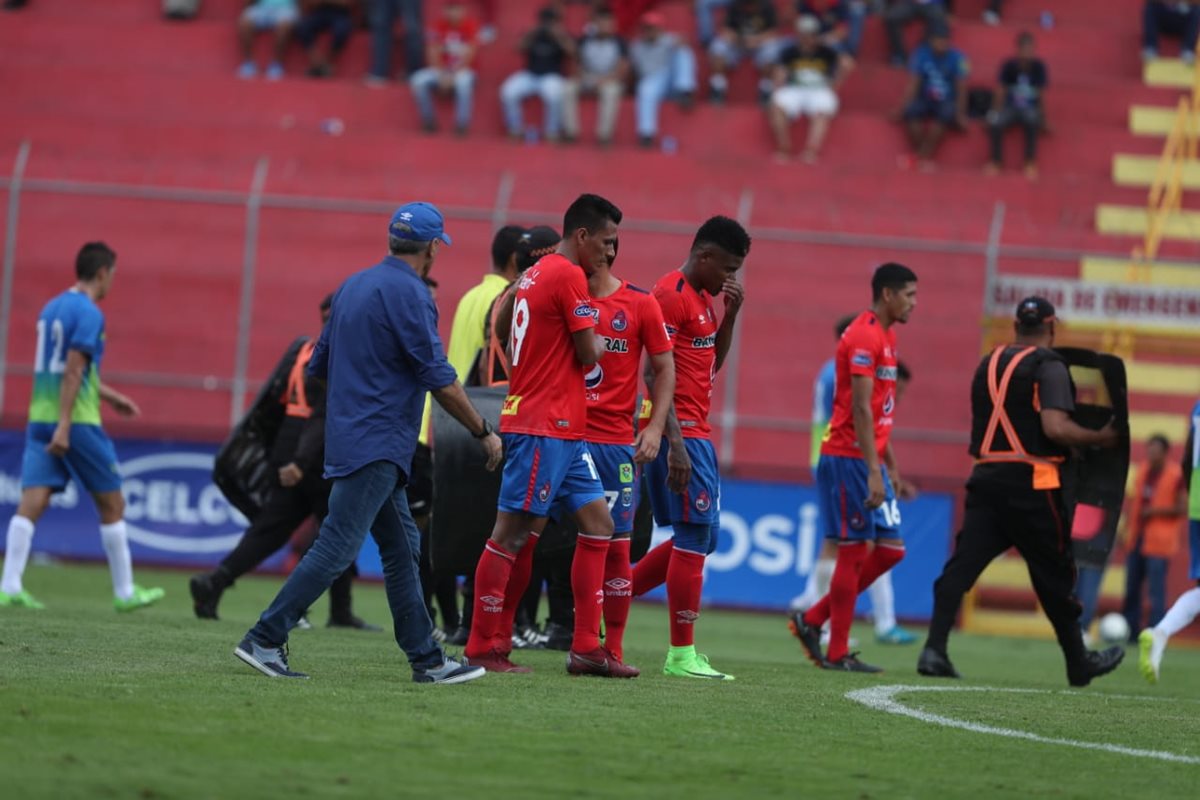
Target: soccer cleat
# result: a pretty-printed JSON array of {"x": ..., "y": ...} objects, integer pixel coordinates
[
  {"x": 450, "y": 672},
  {"x": 270, "y": 661},
  {"x": 600, "y": 662},
  {"x": 558, "y": 637},
  {"x": 690, "y": 664},
  {"x": 896, "y": 635},
  {"x": 850, "y": 663},
  {"x": 1094, "y": 664},
  {"x": 1151, "y": 646},
  {"x": 809, "y": 636},
  {"x": 205, "y": 596},
  {"x": 353, "y": 623},
  {"x": 141, "y": 598},
  {"x": 495, "y": 661},
  {"x": 934, "y": 664},
  {"x": 21, "y": 599}
]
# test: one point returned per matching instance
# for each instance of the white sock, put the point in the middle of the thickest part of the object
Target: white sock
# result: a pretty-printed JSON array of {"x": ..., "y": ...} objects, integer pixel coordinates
[
  {"x": 16, "y": 553},
  {"x": 883, "y": 603},
  {"x": 120, "y": 564},
  {"x": 823, "y": 576},
  {"x": 1179, "y": 617}
]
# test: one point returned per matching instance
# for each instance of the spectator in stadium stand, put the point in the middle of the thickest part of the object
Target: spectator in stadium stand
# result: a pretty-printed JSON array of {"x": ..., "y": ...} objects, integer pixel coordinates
[
  {"x": 706, "y": 14},
  {"x": 15, "y": 5},
  {"x": 547, "y": 49},
  {"x": 807, "y": 77},
  {"x": 602, "y": 69},
  {"x": 487, "y": 13},
  {"x": 750, "y": 30},
  {"x": 1018, "y": 102},
  {"x": 1155, "y": 521},
  {"x": 936, "y": 97},
  {"x": 842, "y": 22},
  {"x": 665, "y": 68},
  {"x": 334, "y": 16},
  {"x": 381, "y": 16},
  {"x": 991, "y": 15},
  {"x": 1176, "y": 19},
  {"x": 277, "y": 16},
  {"x": 898, "y": 13},
  {"x": 449, "y": 58}
]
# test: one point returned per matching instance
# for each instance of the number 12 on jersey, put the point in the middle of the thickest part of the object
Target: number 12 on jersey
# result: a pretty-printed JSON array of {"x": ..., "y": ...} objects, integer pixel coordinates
[{"x": 57, "y": 365}]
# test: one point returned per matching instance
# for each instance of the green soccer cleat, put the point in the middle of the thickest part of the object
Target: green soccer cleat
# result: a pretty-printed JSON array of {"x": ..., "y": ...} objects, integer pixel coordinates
[
  {"x": 141, "y": 598},
  {"x": 1150, "y": 652},
  {"x": 685, "y": 662},
  {"x": 21, "y": 599}
]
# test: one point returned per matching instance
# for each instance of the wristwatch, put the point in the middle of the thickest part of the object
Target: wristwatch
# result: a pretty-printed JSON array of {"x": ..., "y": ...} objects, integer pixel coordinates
[{"x": 487, "y": 430}]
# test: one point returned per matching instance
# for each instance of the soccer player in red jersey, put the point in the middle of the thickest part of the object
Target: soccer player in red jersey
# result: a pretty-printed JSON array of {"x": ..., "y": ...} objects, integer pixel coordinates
[
  {"x": 628, "y": 320},
  {"x": 683, "y": 481},
  {"x": 857, "y": 477},
  {"x": 552, "y": 342}
]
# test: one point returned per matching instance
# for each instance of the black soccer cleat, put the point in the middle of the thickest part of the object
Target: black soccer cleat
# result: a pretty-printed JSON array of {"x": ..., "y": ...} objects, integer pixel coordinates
[
  {"x": 1093, "y": 665},
  {"x": 850, "y": 663},
  {"x": 935, "y": 664},
  {"x": 205, "y": 596},
  {"x": 809, "y": 636}
]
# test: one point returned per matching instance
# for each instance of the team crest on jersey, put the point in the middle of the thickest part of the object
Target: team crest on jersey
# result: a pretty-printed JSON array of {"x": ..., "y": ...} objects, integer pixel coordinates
[
  {"x": 626, "y": 471},
  {"x": 544, "y": 492},
  {"x": 857, "y": 521},
  {"x": 594, "y": 377},
  {"x": 619, "y": 321},
  {"x": 703, "y": 502},
  {"x": 889, "y": 403},
  {"x": 627, "y": 496}
]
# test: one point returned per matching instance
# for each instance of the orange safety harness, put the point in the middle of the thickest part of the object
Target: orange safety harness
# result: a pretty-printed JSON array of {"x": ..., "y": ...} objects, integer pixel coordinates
[
  {"x": 1045, "y": 469},
  {"x": 294, "y": 397}
]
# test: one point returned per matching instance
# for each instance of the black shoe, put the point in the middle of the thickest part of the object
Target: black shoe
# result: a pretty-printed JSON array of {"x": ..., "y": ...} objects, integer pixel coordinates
[
  {"x": 458, "y": 637},
  {"x": 850, "y": 663},
  {"x": 558, "y": 637},
  {"x": 1094, "y": 664},
  {"x": 205, "y": 596},
  {"x": 646, "y": 142},
  {"x": 809, "y": 636},
  {"x": 354, "y": 623},
  {"x": 933, "y": 664}
]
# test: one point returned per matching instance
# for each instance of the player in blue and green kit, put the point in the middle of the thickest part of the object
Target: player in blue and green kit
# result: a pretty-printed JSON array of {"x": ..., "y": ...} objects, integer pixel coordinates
[{"x": 64, "y": 439}]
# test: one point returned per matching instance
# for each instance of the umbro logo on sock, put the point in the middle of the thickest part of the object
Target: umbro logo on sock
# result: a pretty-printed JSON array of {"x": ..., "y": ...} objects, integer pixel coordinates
[
  {"x": 686, "y": 616},
  {"x": 619, "y": 587},
  {"x": 491, "y": 603}
]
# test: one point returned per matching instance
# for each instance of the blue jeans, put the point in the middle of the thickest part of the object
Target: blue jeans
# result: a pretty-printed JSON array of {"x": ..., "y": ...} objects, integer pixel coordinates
[
  {"x": 856, "y": 25},
  {"x": 382, "y": 16},
  {"x": 655, "y": 87},
  {"x": 520, "y": 85},
  {"x": 373, "y": 498},
  {"x": 706, "y": 27},
  {"x": 423, "y": 83},
  {"x": 1087, "y": 592},
  {"x": 1138, "y": 570},
  {"x": 1159, "y": 17}
]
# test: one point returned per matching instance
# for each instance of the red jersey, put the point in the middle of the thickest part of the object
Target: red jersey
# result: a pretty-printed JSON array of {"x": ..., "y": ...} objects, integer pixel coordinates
[
  {"x": 628, "y": 320},
  {"x": 545, "y": 389},
  {"x": 692, "y": 326},
  {"x": 865, "y": 349},
  {"x": 455, "y": 40}
]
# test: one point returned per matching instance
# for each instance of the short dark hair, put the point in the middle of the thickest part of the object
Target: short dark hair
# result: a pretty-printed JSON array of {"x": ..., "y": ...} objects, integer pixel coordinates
[
  {"x": 93, "y": 257},
  {"x": 327, "y": 303},
  {"x": 1024, "y": 38},
  {"x": 890, "y": 276},
  {"x": 504, "y": 244},
  {"x": 903, "y": 373},
  {"x": 840, "y": 327},
  {"x": 405, "y": 247},
  {"x": 1160, "y": 439},
  {"x": 590, "y": 211},
  {"x": 726, "y": 233}
]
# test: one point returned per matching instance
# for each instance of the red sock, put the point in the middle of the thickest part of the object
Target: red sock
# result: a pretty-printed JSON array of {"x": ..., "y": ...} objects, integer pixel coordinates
[
  {"x": 843, "y": 592},
  {"x": 491, "y": 578},
  {"x": 882, "y": 558},
  {"x": 587, "y": 584},
  {"x": 618, "y": 583},
  {"x": 685, "y": 582},
  {"x": 518, "y": 582},
  {"x": 651, "y": 571}
]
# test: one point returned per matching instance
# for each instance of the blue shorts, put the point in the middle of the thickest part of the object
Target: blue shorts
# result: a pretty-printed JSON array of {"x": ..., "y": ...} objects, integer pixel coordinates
[
  {"x": 91, "y": 460},
  {"x": 619, "y": 477},
  {"x": 1194, "y": 546},
  {"x": 700, "y": 504},
  {"x": 842, "y": 493},
  {"x": 943, "y": 111},
  {"x": 540, "y": 472}
]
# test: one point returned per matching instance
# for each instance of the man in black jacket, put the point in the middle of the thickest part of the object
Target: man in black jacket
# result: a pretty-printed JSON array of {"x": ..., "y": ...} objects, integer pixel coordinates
[{"x": 297, "y": 490}]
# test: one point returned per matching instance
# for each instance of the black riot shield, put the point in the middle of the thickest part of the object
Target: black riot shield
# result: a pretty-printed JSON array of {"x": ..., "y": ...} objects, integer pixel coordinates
[
  {"x": 1094, "y": 479},
  {"x": 242, "y": 469}
]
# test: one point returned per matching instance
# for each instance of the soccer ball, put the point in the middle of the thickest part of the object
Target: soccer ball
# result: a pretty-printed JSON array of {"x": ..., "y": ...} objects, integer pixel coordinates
[{"x": 1114, "y": 629}]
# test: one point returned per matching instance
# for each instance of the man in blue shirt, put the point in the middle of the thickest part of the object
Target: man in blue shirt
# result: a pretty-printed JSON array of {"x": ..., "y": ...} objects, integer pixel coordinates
[
  {"x": 936, "y": 97},
  {"x": 380, "y": 353}
]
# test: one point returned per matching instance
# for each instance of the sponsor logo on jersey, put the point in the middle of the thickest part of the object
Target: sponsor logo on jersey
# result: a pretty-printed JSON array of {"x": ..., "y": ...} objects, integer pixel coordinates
[
  {"x": 594, "y": 377},
  {"x": 511, "y": 404},
  {"x": 889, "y": 403},
  {"x": 626, "y": 471},
  {"x": 862, "y": 358},
  {"x": 885, "y": 373},
  {"x": 627, "y": 496},
  {"x": 620, "y": 322},
  {"x": 612, "y": 345},
  {"x": 703, "y": 502},
  {"x": 544, "y": 492},
  {"x": 584, "y": 310},
  {"x": 705, "y": 341},
  {"x": 670, "y": 329}
]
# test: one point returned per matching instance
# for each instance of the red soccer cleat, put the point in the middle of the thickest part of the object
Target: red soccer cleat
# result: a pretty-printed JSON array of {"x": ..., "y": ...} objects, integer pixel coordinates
[
  {"x": 495, "y": 661},
  {"x": 600, "y": 662}
]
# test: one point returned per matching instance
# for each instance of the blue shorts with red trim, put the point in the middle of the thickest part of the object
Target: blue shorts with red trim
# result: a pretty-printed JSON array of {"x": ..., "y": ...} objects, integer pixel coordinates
[
  {"x": 842, "y": 491},
  {"x": 700, "y": 503},
  {"x": 1194, "y": 545},
  {"x": 540, "y": 471}
]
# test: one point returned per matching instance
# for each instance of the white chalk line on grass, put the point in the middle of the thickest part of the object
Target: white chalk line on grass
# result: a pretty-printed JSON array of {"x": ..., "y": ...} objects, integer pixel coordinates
[{"x": 883, "y": 698}]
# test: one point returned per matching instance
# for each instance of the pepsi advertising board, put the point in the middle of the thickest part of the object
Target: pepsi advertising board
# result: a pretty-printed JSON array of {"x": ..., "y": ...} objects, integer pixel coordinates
[{"x": 770, "y": 532}]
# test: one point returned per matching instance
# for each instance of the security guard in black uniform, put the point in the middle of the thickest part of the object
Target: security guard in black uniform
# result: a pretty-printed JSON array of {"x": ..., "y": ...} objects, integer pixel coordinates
[{"x": 1021, "y": 434}]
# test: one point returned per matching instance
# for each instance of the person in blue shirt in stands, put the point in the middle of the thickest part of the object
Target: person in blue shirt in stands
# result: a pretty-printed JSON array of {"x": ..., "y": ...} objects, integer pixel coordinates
[
  {"x": 936, "y": 98},
  {"x": 379, "y": 353}
]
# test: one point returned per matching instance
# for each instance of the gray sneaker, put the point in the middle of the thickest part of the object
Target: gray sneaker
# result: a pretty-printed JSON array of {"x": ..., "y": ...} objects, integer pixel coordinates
[
  {"x": 449, "y": 672},
  {"x": 270, "y": 661}
]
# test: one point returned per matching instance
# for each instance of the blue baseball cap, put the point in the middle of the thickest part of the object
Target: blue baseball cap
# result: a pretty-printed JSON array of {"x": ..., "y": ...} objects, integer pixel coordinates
[{"x": 418, "y": 222}]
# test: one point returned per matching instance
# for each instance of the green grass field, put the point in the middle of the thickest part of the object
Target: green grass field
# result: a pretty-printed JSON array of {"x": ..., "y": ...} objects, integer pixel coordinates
[{"x": 154, "y": 705}]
